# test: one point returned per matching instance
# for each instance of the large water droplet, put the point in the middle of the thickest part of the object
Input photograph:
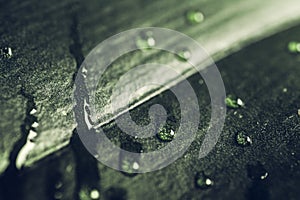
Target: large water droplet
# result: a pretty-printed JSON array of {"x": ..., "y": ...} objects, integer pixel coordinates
[
  {"x": 166, "y": 133},
  {"x": 194, "y": 17},
  {"x": 243, "y": 139},
  {"x": 233, "y": 102},
  {"x": 294, "y": 47},
  {"x": 202, "y": 181}
]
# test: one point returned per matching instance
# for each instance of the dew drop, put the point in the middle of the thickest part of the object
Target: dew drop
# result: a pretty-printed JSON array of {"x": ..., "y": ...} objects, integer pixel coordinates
[
  {"x": 183, "y": 54},
  {"x": 33, "y": 111},
  {"x": 243, "y": 139},
  {"x": 135, "y": 166},
  {"x": 31, "y": 135},
  {"x": 299, "y": 112},
  {"x": 58, "y": 185},
  {"x": 35, "y": 125},
  {"x": 202, "y": 181},
  {"x": 69, "y": 168},
  {"x": 166, "y": 134},
  {"x": 145, "y": 41},
  {"x": 257, "y": 172},
  {"x": 233, "y": 102},
  {"x": 240, "y": 102},
  {"x": 194, "y": 17},
  {"x": 129, "y": 166},
  {"x": 94, "y": 194},
  {"x": 294, "y": 47}
]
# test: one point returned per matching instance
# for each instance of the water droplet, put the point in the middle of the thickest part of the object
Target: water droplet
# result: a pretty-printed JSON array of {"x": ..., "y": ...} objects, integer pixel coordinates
[
  {"x": 183, "y": 54},
  {"x": 31, "y": 135},
  {"x": 240, "y": 102},
  {"x": 194, "y": 17},
  {"x": 233, "y": 102},
  {"x": 299, "y": 112},
  {"x": 69, "y": 168},
  {"x": 264, "y": 176},
  {"x": 202, "y": 181},
  {"x": 33, "y": 111},
  {"x": 6, "y": 52},
  {"x": 135, "y": 166},
  {"x": 166, "y": 134},
  {"x": 243, "y": 139},
  {"x": 94, "y": 194},
  {"x": 294, "y": 47},
  {"x": 129, "y": 166},
  {"x": 145, "y": 41},
  {"x": 35, "y": 125},
  {"x": 257, "y": 172},
  {"x": 284, "y": 90},
  {"x": 58, "y": 185}
]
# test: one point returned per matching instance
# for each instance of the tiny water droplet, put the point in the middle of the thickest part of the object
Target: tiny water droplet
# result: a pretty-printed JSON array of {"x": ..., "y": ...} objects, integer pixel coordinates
[
  {"x": 194, "y": 17},
  {"x": 135, "y": 166},
  {"x": 202, "y": 181},
  {"x": 129, "y": 166},
  {"x": 166, "y": 134},
  {"x": 257, "y": 172},
  {"x": 240, "y": 102},
  {"x": 264, "y": 176},
  {"x": 35, "y": 125},
  {"x": 243, "y": 139},
  {"x": 294, "y": 47},
  {"x": 33, "y": 111},
  {"x": 69, "y": 168},
  {"x": 31, "y": 135},
  {"x": 284, "y": 90},
  {"x": 58, "y": 185},
  {"x": 183, "y": 54},
  {"x": 299, "y": 112},
  {"x": 145, "y": 41},
  {"x": 233, "y": 102},
  {"x": 6, "y": 52},
  {"x": 94, "y": 194}
]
